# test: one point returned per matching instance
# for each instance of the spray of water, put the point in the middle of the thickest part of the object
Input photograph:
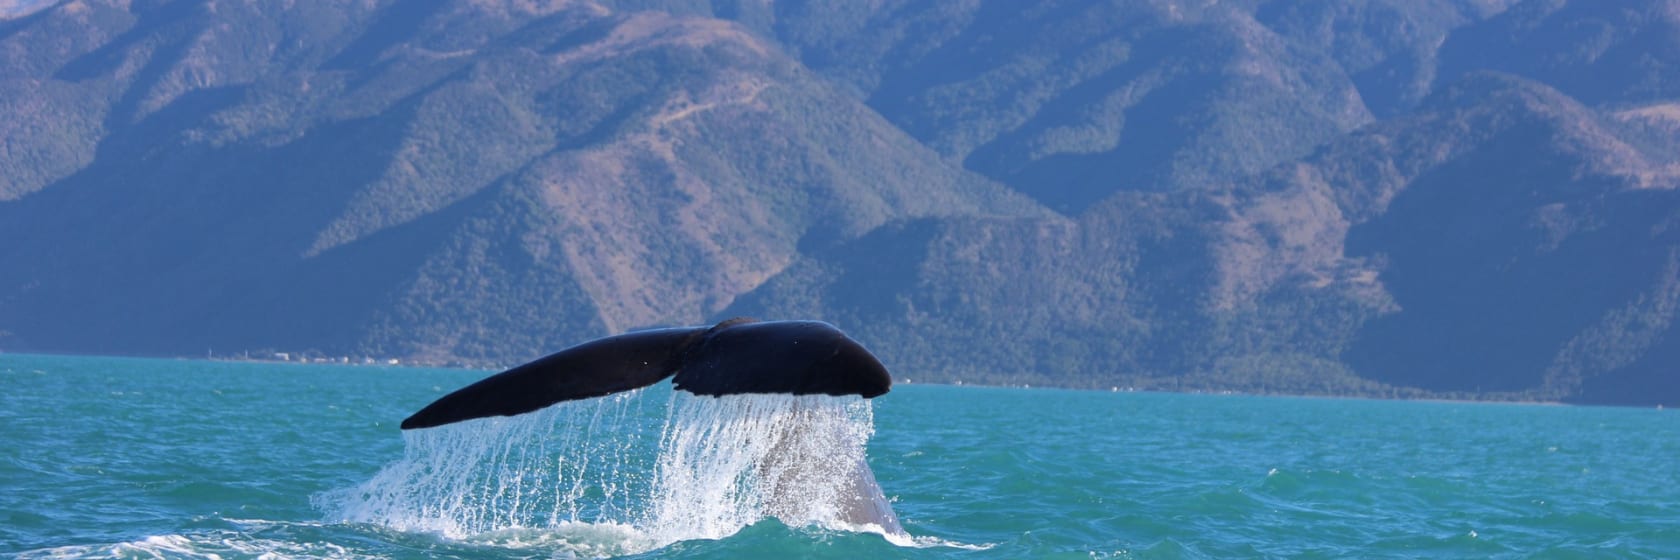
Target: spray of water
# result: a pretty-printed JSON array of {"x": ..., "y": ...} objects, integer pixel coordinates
[
  {"x": 729, "y": 461},
  {"x": 630, "y": 471}
]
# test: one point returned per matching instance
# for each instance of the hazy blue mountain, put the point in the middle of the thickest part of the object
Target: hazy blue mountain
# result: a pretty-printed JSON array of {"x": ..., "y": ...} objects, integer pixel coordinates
[
  {"x": 1540, "y": 257},
  {"x": 451, "y": 183},
  {"x": 1502, "y": 238},
  {"x": 1467, "y": 198},
  {"x": 1606, "y": 52},
  {"x": 1388, "y": 48},
  {"x": 1070, "y": 102}
]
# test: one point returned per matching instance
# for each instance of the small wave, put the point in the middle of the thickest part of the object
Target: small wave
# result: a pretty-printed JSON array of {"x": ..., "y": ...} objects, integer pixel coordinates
[
  {"x": 928, "y": 541},
  {"x": 570, "y": 539},
  {"x": 216, "y": 545},
  {"x": 902, "y": 540},
  {"x": 257, "y": 538}
]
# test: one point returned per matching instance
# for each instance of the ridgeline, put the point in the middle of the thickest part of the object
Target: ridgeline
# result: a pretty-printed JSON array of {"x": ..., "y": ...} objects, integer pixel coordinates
[{"x": 1392, "y": 198}]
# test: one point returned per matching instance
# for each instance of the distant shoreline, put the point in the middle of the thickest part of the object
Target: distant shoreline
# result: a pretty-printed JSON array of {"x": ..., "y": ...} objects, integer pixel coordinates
[{"x": 1411, "y": 395}]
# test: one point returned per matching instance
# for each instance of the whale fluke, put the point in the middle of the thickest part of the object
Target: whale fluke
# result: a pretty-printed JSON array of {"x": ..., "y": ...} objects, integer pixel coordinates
[
  {"x": 592, "y": 369},
  {"x": 737, "y": 356},
  {"x": 793, "y": 357}
]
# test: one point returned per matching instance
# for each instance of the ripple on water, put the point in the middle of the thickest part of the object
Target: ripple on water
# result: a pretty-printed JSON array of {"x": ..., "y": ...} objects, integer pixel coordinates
[{"x": 186, "y": 459}]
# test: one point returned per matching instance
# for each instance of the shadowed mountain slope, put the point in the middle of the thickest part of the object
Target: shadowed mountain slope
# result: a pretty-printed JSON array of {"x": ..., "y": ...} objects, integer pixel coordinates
[
  {"x": 1070, "y": 102},
  {"x": 1461, "y": 198},
  {"x": 1502, "y": 239},
  {"x": 1611, "y": 51},
  {"x": 462, "y": 183}
]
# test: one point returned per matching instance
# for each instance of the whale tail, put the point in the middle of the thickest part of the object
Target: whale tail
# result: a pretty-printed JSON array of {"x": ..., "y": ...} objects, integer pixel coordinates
[
  {"x": 592, "y": 369},
  {"x": 807, "y": 452},
  {"x": 738, "y": 356}
]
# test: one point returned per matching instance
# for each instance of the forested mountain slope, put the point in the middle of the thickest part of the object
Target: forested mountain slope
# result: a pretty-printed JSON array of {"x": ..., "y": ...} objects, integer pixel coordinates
[{"x": 1414, "y": 198}]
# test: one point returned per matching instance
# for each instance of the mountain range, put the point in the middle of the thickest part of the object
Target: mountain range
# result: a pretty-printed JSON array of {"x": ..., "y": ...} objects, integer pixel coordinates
[{"x": 1412, "y": 198}]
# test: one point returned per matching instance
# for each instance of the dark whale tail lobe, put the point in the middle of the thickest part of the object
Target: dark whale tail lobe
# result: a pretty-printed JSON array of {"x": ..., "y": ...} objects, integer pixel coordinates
[
  {"x": 592, "y": 369},
  {"x": 734, "y": 357},
  {"x": 792, "y": 357}
]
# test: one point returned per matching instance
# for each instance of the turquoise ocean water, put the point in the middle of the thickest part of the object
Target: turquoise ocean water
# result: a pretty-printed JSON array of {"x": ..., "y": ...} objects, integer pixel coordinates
[{"x": 104, "y": 457}]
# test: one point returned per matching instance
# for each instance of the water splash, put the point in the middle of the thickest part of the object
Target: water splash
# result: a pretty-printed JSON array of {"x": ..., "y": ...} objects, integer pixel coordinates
[
  {"x": 727, "y": 462},
  {"x": 632, "y": 471}
]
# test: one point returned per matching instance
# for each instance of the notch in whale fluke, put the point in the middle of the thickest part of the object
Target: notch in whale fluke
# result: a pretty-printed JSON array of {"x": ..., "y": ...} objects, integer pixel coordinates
[{"x": 733, "y": 357}]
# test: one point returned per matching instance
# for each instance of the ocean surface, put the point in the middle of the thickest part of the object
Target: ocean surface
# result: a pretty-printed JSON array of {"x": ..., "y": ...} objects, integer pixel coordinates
[{"x": 134, "y": 458}]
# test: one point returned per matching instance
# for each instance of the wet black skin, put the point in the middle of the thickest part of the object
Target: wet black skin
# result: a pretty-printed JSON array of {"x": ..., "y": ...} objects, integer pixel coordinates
[{"x": 737, "y": 356}]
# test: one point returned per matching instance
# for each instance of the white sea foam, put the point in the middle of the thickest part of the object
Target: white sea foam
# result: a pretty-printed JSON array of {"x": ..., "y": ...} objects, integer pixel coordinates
[
  {"x": 619, "y": 475},
  {"x": 210, "y": 545},
  {"x": 926, "y": 541}
]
